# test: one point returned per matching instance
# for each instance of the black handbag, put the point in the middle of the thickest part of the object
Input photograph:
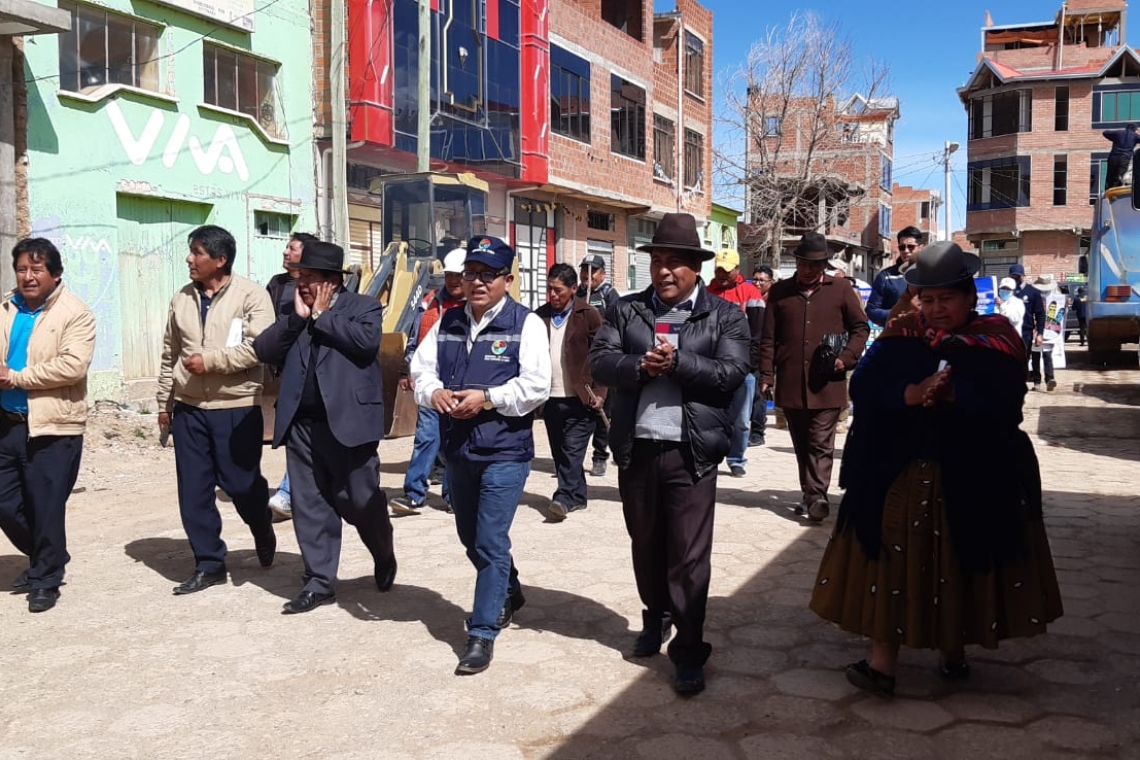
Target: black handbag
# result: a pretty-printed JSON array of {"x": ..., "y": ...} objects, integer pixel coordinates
[{"x": 822, "y": 369}]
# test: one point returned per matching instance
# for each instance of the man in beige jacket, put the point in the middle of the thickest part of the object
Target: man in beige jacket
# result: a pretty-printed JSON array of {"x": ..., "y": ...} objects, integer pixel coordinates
[
  {"x": 209, "y": 394},
  {"x": 47, "y": 339}
]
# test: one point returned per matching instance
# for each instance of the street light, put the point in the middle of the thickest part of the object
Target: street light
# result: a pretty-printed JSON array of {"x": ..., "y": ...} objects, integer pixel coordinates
[{"x": 950, "y": 148}]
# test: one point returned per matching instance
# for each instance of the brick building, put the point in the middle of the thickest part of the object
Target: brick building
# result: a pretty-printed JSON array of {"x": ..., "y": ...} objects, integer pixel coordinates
[
  {"x": 825, "y": 167},
  {"x": 915, "y": 207},
  {"x": 1038, "y": 100},
  {"x": 589, "y": 119}
]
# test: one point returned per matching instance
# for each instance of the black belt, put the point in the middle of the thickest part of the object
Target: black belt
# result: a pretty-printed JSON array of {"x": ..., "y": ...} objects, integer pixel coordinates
[
  {"x": 647, "y": 444},
  {"x": 14, "y": 418}
]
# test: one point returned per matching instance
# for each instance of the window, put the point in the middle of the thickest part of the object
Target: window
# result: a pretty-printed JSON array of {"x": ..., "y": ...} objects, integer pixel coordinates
[
  {"x": 772, "y": 126},
  {"x": 1122, "y": 105},
  {"x": 694, "y": 160},
  {"x": 1004, "y": 113},
  {"x": 599, "y": 220},
  {"x": 885, "y": 173},
  {"x": 664, "y": 148},
  {"x": 270, "y": 224},
  {"x": 694, "y": 65},
  {"x": 1060, "y": 180},
  {"x": 569, "y": 94},
  {"x": 627, "y": 118},
  {"x": 1061, "y": 110},
  {"x": 1098, "y": 174},
  {"x": 241, "y": 83},
  {"x": 998, "y": 183},
  {"x": 625, "y": 15},
  {"x": 924, "y": 210},
  {"x": 105, "y": 48},
  {"x": 360, "y": 176},
  {"x": 884, "y": 220}
]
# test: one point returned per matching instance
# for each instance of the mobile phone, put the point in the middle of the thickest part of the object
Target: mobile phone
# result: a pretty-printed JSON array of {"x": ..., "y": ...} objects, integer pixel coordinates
[{"x": 943, "y": 365}]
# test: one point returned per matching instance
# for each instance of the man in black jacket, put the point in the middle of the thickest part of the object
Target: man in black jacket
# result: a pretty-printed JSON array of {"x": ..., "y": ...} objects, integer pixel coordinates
[
  {"x": 1033, "y": 324},
  {"x": 597, "y": 291},
  {"x": 674, "y": 356},
  {"x": 330, "y": 415}
]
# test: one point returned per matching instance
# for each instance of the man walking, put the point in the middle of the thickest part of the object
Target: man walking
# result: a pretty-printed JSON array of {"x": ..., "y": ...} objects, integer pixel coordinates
[
  {"x": 485, "y": 369},
  {"x": 596, "y": 290},
  {"x": 47, "y": 340},
  {"x": 281, "y": 288},
  {"x": 330, "y": 416},
  {"x": 762, "y": 278},
  {"x": 209, "y": 397},
  {"x": 574, "y": 403},
  {"x": 730, "y": 285},
  {"x": 425, "y": 448},
  {"x": 804, "y": 314},
  {"x": 1124, "y": 143},
  {"x": 889, "y": 285},
  {"x": 1033, "y": 324},
  {"x": 674, "y": 357}
]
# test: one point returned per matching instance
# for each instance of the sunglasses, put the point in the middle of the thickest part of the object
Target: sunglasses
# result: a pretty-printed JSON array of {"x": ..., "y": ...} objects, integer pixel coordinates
[
  {"x": 486, "y": 276},
  {"x": 910, "y": 247}
]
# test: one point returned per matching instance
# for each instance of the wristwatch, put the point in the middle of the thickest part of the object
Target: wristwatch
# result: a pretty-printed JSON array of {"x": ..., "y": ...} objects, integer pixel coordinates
[
  {"x": 317, "y": 313},
  {"x": 487, "y": 405}
]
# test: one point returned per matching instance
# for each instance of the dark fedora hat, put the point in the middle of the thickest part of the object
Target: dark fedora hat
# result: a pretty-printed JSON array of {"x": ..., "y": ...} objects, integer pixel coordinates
[
  {"x": 322, "y": 256},
  {"x": 812, "y": 247},
  {"x": 941, "y": 265},
  {"x": 677, "y": 232}
]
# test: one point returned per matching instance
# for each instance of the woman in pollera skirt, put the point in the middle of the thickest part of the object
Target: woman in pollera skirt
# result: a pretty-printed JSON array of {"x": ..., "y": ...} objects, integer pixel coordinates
[{"x": 939, "y": 541}]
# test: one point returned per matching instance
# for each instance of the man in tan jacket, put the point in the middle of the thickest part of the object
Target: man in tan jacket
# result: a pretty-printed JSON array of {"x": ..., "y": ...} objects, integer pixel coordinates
[
  {"x": 47, "y": 339},
  {"x": 209, "y": 394}
]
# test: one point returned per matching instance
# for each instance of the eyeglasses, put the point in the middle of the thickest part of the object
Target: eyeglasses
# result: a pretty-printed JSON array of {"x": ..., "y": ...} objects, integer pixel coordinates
[
  {"x": 486, "y": 276},
  {"x": 911, "y": 247}
]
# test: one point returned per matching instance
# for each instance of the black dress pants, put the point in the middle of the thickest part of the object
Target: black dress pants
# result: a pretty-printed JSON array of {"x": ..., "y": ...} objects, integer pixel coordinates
[
  {"x": 331, "y": 482},
  {"x": 36, "y": 478},
  {"x": 569, "y": 424},
  {"x": 669, "y": 517},
  {"x": 212, "y": 448}
]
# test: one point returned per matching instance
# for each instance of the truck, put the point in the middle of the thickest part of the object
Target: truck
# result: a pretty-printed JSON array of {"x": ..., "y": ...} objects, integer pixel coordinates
[{"x": 1114, "y": 275}]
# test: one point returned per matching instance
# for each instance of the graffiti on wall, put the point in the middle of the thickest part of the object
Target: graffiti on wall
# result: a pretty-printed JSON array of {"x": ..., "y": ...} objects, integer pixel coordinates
[
  {"x": 91, "y": 271},
  {"x": 223, "y": 154}
]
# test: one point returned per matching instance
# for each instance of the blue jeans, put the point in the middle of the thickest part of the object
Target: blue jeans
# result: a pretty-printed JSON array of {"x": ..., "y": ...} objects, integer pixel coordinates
[
  {"x": 486, "y": 497},
  {"x": 424, "y": 451},
  {"x": 741, "y": 413},
  {"x": 283, "y": 487}
]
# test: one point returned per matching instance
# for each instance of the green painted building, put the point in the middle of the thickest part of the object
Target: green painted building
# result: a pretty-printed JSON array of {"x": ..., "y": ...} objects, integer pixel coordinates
[
  {"x": 146, "y": 120},
  {"x": 720, "y": 232}
]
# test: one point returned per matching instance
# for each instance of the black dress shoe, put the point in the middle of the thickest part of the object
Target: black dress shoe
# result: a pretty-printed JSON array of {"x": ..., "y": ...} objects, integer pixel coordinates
[
  {"x": 266, "y": 546},
  {"x": 651, "y": 638},
  {"x": 690, "y": 680},
  {"x": 385, "y": 574},
  {"x": 22, "y": 583},
  {"x": 199, "y": 581},
  {"x": 42, "y": 599},
  {"x": 477, "y": 658},
  {"x": 305, "y": 601},
  {"x": 513, "y": 604}
]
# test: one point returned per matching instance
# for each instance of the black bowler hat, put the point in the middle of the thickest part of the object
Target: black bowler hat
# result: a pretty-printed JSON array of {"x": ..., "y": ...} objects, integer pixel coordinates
[
  {"x": 677, "y": 232},
  {"x": 812, "y": 247},
  {"x": 941, "y": 265},
  {"x": 321, "y": 256}
]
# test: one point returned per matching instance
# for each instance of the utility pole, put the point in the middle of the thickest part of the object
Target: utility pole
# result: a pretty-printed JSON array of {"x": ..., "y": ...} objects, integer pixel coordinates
[
  {"x": 747, "y": 158},
  {"x": 423, "y": 90},
  {"x": 339, "y": 124},
  {"x": 950, "y": 148}
]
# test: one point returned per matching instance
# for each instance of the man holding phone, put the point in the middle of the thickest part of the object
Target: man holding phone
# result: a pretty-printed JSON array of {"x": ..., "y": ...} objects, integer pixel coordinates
[{"x": 674, "y": 355}]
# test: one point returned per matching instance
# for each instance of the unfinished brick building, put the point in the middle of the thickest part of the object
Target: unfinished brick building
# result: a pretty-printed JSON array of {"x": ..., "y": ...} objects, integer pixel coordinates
[{"x": 1038, "y": 101}]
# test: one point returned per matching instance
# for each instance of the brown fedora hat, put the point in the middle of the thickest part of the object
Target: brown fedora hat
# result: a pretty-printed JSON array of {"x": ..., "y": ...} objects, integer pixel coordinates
[
  {"x": 812, "y": 247},
  {"x": 677, "y": 232}
]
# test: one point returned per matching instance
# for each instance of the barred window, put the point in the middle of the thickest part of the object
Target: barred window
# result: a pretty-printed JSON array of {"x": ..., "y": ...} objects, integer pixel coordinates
[
  {"x": 694, "y": 65},
  {"x": 664, "y": 148},
  {"x": 694, "y": 160},
  {"x": 241, "y": 83},
  {"x": 627, "y": 118},
  {"x": 104, "y": 48}
]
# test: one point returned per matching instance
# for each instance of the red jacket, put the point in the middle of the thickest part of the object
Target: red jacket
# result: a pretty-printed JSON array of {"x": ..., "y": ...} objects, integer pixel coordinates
[{"x": 751, "y": 301}]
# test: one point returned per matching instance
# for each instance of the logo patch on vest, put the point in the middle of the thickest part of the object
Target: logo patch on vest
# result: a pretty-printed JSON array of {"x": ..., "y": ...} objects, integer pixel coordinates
[{"x": 499, "y": 347}]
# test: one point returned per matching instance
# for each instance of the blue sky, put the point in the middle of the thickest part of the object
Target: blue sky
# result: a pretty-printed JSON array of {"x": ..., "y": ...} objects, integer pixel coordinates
[{"x": 930, "y": 46}]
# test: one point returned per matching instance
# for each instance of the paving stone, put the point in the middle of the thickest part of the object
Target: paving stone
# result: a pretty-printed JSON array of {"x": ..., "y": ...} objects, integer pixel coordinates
[
  {"x": 787, "y": 747},
  {"x": 1071, "y": 625},
  {"x": 1118, "y": 621},
  {"x": 1073, "y": 733},
  {"x": 1066, "y": 672},
  {"x": 817, "y": 684},
  {"x": 971, "y": 741},
  {"x": 988, "y": 708},
  {"x": 684, "y": 747},
  {"x": 907, "y": 714},
  {"x": 888, "y": 744},
  {"x": 796, "y": 713}
]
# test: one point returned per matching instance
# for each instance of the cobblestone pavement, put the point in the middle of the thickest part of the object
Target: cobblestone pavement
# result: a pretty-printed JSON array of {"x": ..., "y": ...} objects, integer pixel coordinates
[{"x": 123, "y": 669}]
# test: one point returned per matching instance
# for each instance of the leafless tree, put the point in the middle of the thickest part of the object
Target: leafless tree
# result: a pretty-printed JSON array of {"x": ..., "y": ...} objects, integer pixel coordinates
[{"x": 786, "y": 113}]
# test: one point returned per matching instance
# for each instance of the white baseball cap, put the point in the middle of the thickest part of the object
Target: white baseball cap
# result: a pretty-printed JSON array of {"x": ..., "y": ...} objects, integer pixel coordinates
[
  {"x": 453, "y": 261},
  {"x": 1007, "y": 282}
]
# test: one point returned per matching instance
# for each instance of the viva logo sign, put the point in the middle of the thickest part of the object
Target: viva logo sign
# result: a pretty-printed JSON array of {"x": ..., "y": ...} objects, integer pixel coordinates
[{"x": 223, "y": 155}]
